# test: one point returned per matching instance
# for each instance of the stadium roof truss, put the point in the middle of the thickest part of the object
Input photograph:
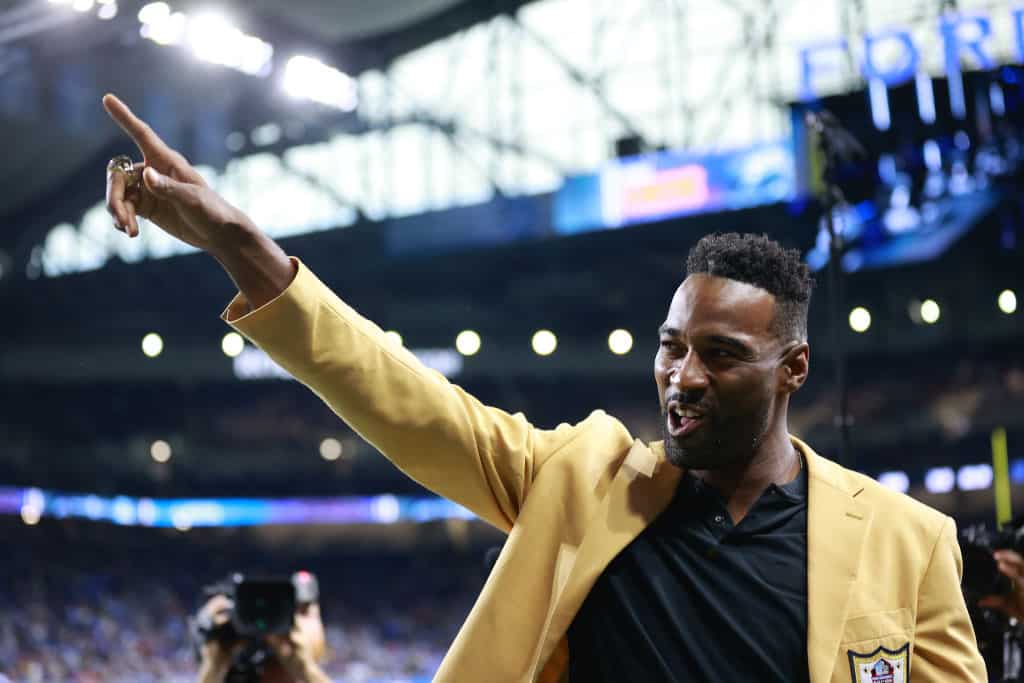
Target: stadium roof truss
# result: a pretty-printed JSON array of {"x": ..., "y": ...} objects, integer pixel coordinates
[{"x": 513, "y": 104}]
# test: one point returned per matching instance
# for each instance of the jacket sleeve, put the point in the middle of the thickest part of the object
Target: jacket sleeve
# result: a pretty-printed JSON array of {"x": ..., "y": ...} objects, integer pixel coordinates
[
  {"x": 478, "y": 456},
  {"x": 945, "y": 648}
]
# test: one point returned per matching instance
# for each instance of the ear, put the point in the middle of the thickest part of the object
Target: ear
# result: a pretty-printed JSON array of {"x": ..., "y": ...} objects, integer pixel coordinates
[{"x": 794, "y": 367}]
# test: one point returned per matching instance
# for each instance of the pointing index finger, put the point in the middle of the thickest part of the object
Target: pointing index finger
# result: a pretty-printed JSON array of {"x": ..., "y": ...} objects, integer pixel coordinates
[{"x": 148, "y": 142}]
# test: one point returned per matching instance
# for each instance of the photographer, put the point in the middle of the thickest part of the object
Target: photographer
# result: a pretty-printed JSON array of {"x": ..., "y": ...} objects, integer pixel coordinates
[
  {"x": 295, "y": 657},
  {"x": 1011, "y": 565}
]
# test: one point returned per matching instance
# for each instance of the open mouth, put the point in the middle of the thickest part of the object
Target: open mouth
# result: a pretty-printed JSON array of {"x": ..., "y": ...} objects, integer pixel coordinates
[{"x": 683, "y": 421}]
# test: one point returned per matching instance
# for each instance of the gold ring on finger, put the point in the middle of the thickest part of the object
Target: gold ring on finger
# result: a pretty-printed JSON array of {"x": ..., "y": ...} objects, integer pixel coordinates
[{"x": 124, "y": 164}]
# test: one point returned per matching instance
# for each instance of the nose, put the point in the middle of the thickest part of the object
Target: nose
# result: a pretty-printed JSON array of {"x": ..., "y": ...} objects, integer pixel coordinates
[{"x": 688, "y": 374}]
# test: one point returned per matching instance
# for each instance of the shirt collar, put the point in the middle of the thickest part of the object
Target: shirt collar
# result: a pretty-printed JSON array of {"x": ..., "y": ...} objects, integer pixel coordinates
[{"x": 794, "y": 491}]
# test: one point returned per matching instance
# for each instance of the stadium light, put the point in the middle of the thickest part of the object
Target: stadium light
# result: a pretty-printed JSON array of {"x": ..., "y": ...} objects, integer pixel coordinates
[
  {"x": 160, "y": 26},
  {"x": 232, "y": 344},
  {"x": 620, "y": 342},
  {"x": 152, "y": 345},
  {"x": 544, "y": 342},
  {"x": 82, "y": 5},
  {"x": 212, "y": 38},
  {"x": 160, "y": 451},
  {"x": 235, "y": 141},
  {"x": 311, "y": 79},
  {"x": 181, "y": 521},
  {"x": 860, "y": 319},
  {"x": 467, "y": 342},
  {"x": 974, "y": 477},
  {"x": 331, "y": 449},
  {"x": 930, "y": 311},
  {"x": 266, "y": 135},
  {"x": 939, "y": 479},
  {"x": 154, "y": 12},
  {"x": 394, "y": 336},
  {"x": 1008, "y": 301},
  {"x": 896, "y": 480},
  {"x": 108, "y": 10},
  {"x": 31, "y": 514},
  {"x": 209, "y": 36}
]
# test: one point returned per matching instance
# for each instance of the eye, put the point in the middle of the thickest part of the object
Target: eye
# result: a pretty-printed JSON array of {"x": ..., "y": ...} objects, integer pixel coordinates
[{"x": 722, "y": 353}]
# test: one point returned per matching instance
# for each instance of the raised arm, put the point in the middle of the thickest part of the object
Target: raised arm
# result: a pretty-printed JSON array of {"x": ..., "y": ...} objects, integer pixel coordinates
[{"x": 476, "y": 455}]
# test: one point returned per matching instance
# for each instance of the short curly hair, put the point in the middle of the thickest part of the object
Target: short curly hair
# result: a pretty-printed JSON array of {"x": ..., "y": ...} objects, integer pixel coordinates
[{"x": 764, "y": 263}]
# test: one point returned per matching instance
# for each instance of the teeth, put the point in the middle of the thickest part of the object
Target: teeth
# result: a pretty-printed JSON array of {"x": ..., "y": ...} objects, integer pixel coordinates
[{"x": 686, "y": 412}]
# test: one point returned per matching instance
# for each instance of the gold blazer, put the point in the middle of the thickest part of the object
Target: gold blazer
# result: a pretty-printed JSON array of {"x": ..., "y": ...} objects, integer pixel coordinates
[{"x": 883, "y": 585}]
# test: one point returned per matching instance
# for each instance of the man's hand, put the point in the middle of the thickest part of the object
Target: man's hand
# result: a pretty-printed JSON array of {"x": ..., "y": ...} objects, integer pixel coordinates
[
  {"x": 216, "y": 659},
  {"x": 1010, "y": 565},
  {"x": 299, "y": 652},
  {"x": 172, "y": 194}
]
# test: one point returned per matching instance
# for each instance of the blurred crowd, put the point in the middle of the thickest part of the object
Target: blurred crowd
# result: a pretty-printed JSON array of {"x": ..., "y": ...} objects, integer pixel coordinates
[{"x": 386, "y": 619}]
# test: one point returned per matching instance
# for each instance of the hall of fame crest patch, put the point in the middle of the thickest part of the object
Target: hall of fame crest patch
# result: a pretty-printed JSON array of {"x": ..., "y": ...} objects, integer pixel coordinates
[{"x": 881, "y": 666}]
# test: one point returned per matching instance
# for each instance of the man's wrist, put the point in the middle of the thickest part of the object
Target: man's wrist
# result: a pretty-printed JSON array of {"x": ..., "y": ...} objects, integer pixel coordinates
[
  {"x": 259, "y": 267},
  {"x": 233, "y": 237}
]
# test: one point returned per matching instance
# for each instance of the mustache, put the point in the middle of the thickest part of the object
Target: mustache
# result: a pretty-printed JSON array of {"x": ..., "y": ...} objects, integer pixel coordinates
[{"x": 691, "y": 399}]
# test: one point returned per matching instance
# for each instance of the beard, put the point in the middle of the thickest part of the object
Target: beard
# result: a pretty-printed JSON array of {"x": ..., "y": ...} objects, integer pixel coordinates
[{"x": 720, "y": 443}]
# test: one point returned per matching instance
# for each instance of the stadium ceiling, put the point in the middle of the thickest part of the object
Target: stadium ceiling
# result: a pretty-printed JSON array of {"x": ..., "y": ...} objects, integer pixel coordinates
[{"x": 55, "y": 63}]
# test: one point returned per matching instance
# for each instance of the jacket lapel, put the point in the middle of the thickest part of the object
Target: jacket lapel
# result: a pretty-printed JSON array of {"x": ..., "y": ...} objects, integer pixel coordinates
[
  {"x": 641, "y": 489},
  {"x": 836, "y": 527},
  {"x": 644, "y": 485}
]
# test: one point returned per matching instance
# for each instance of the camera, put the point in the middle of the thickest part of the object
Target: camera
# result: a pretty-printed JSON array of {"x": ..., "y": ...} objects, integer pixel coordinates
[
  {"x": 260, "y": 607},
  {"x": 977, "y": 543},
  {"x": 1000, "y": 639}
]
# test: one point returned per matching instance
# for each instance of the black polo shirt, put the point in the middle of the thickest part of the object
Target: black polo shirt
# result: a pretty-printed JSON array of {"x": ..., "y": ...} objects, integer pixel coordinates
[{"x": 695, "y": 598}]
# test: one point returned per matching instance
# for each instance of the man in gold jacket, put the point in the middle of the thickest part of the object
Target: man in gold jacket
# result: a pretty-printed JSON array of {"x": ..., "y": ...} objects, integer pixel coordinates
[{"x": 728, "y": 551}]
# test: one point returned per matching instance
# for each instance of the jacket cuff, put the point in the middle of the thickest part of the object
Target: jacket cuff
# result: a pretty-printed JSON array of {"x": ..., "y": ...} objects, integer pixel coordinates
[{"x": 239, "y": 314}]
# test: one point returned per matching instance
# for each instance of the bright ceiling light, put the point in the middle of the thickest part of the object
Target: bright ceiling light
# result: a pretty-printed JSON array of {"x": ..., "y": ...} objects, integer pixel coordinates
[
  {"x": 974, "y": 477},
  {"x": 311, "y": 79},
  {"x": 107, "y": 11},
  {"x": 467, "y": 343},
  {"x": 330, "y": 449},
  {"x": 160, "y": 451},
  {"x": 1008, "y": 301},
  {"x": 31, "y": 514},
  {"x": 164, "y": 30},
  {"x": 212, "y": 38},
  {"x": 181, "y": 520},
  {"x": 82, "y": 5},
  {"x": 394, "y": 336},
  {"x": 235, "y": 141},
  {"x": 152, "y": 345},
  {"x": 860, "y": 319},
  {"x": 154, "y": 13},
  {"x": 544, "y": 342},
  {"x": 265, "y": 135},
  {"x": 930, "y": 311},
  {"x": 620, "y": 342},
  {"x": 896, "y": 480},
  {"x": 232, "y": 344},
  {"x": 939, "y": 480}
]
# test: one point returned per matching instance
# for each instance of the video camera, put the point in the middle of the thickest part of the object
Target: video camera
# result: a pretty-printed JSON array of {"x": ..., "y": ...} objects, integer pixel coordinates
[
  {"x": 1000, "y": 639},
  {"x": 260, "y": 607}
]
